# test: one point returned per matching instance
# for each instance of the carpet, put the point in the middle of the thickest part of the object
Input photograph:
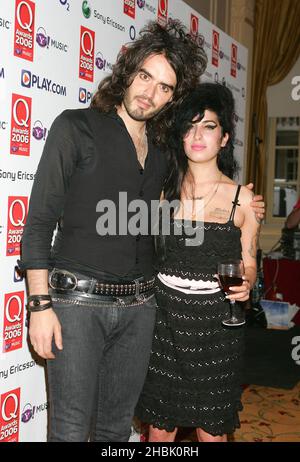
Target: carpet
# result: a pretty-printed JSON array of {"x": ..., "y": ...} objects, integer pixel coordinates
[
  {"x": 268, "y": 357},
  {"x": 269, "y": 415}
]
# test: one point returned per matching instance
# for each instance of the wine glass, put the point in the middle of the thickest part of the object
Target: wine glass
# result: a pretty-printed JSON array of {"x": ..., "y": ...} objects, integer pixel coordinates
[{"x": 230, "y": 274}]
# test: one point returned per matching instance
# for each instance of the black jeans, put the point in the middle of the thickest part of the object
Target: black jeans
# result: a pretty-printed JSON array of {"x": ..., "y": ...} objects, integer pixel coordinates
[{"x": 96, "y": 380}]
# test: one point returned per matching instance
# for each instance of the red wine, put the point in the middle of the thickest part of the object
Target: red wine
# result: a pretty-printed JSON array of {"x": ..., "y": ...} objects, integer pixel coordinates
[{"x": 230, "y": 281}]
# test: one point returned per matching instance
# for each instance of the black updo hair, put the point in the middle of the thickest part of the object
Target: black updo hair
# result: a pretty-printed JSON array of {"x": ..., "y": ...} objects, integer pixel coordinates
[{"x": 207, "y": 96}]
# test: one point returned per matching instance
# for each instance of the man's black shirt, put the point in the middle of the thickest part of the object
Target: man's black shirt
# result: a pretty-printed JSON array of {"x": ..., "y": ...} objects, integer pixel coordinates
[{"x": 88, "y": 157}]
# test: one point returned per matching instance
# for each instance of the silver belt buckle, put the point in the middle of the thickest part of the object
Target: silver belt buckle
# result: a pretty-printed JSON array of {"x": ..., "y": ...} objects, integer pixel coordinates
[
  {"x": 64, "y": 273},
  {"x": 139, "y": 297}
]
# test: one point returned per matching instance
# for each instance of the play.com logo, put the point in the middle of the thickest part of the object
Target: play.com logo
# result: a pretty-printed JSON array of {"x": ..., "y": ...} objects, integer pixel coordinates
[
  {"x": 30, "y": 80},
  {"x": 84, "y": 96}
]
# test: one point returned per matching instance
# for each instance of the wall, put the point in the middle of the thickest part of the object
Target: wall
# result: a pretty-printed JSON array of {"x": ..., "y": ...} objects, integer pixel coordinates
[
  {"x": 283, "y": 98},
  {"x": 283, "y": 101}
]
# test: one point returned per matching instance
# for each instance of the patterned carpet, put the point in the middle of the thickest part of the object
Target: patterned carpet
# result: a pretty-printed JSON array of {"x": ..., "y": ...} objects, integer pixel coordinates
[{"x": 269, "y": 415}]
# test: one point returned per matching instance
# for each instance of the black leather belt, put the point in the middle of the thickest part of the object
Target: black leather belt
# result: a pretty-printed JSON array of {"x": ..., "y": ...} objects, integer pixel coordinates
[{"x": 66, "y": 281}]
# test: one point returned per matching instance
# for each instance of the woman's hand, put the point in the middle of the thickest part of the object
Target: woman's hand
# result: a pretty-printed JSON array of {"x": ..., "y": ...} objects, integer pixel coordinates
[{"x": 240, "y": 293}]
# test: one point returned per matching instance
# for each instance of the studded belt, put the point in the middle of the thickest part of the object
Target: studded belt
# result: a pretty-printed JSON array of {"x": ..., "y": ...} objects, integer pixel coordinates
[{"x": 62, "y": 280}]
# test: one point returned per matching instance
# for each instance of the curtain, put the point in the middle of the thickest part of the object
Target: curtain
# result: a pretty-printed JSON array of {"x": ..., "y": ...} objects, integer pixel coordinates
[{"x": 276, "y": 49}]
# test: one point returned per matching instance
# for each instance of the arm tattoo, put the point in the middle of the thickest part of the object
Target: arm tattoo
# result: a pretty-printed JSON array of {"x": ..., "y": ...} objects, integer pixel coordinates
[
  {"x": 258, "y": 220},
  {"x": 253, "y": 245}
]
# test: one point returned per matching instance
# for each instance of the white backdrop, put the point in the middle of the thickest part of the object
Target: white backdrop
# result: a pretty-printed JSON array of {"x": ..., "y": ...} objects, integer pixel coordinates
[{"x": 53, "y": 54}]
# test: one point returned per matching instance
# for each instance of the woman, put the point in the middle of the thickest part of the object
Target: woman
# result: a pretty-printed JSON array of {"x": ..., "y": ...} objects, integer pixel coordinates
[{"x": 194, "y": 372}]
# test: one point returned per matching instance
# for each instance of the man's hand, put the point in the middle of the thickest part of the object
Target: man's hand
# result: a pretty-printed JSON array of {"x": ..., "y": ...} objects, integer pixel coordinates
[
  {"x": 257, "y": 205},
  {"x": 43, "y": 325}
]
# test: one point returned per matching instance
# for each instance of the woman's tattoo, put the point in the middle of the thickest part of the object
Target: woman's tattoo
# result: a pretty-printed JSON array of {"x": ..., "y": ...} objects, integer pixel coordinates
[
  {"x": 219, "y": 213},
  {"x": 253, "y": 245}
]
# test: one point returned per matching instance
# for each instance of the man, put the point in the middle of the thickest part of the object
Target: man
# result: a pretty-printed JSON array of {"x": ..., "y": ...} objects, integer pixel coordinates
[{"x": 98, "y": 320}]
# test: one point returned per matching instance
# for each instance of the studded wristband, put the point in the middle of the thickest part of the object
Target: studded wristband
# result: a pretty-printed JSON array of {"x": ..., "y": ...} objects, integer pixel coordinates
[{"x": 36, "y": 303}]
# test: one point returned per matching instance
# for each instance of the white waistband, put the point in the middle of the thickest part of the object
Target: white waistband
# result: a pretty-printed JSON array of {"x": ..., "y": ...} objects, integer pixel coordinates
[{"x": 189, "y": 286}]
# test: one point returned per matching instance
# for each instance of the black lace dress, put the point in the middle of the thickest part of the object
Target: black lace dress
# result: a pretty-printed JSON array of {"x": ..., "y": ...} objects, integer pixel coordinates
[{"x": 194, "y": 378}]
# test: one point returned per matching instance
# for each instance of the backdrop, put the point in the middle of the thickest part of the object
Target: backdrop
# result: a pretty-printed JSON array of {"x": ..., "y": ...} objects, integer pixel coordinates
[{"x": 53, "y": 54}]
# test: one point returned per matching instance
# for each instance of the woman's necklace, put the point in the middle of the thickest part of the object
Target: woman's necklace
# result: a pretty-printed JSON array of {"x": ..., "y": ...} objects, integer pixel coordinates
[
  {"x": 196, "y": 210},
  {"x": 197, "y": 207}
]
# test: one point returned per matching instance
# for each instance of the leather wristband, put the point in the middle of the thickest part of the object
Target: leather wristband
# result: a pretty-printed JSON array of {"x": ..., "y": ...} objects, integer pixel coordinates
[{"x": 36, "y": 300}]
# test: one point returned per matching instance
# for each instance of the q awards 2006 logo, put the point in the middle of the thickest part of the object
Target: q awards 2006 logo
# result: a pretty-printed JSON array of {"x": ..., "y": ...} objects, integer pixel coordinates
[
  {"x": 10, "y": 416},
  {"x": 20, "y": 125},
  {"x": 13, "y": 321},
  {"x": 215, "y": 48},
  {"x": 16, "y": 218},
  {"x": 162, "y": 12},
  {"x": 194, "y": 25},
  {"x": 234, "y": 52},
  {"x": 87, "y": 53},
  {"x": 129, "y": 8},
  {"x": 24, "y": 29}
]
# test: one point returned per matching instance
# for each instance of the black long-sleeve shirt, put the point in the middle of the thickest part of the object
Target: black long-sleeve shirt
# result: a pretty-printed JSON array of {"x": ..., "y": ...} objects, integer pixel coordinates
[{"x": 89, "y": 156}]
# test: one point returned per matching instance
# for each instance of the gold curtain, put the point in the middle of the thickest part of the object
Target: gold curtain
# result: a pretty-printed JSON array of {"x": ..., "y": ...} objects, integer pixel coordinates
[{"x": 276, "y": 49}]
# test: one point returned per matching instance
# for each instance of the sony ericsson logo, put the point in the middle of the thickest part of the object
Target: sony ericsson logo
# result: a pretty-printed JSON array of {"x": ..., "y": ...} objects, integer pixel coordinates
[
  {"x": 86, "y": 9},
  {"x": 44, "y": 41},
  {"x": 30, "y": 80}
]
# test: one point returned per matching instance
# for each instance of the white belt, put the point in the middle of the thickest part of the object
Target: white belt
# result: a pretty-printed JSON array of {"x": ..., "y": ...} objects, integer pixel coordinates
[{"x": 189, "y": 286}]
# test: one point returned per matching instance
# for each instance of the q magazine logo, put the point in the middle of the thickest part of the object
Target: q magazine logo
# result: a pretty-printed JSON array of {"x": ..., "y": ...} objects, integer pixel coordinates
[
  {"x": 13, "y": 321},
  {"x": 194, "y": 25},
  {"x": 24, "y": 29},
  {"x": 87, "y": 54},
  {"x": 10, "y": 416},
  {"x": 215, "y": 48},
  {"x": 16, "y": 218},
  {"x": 30, "y": 80},
  {"x": 129, "y": 8},
  {"x": 20, "y": 125},
  {"x": 162, "y": 12},
  {"x": 234, "y": 53}
]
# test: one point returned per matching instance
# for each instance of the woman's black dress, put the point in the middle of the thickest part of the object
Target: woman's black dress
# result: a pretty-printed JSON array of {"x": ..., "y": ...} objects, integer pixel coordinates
[{"x": 194, "y": 375}]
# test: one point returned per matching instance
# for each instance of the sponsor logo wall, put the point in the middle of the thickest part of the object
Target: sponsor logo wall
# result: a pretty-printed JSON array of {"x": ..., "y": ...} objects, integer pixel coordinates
[{"x": 53, "y": 54}]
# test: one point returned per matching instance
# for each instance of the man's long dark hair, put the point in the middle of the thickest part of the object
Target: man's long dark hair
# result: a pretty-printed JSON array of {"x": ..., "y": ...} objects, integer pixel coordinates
[
  {"x": 182, "y": 51},
  {"x": 207, "y": 96}
]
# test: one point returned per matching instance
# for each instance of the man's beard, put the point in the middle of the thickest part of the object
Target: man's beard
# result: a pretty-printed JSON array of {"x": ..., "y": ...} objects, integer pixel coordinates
[{"x": 139, "y": 113}]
